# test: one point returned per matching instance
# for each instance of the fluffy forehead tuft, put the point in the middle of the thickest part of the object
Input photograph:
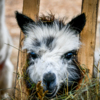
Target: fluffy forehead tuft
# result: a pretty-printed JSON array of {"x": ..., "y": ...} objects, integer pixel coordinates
[
  {"x": 44, "y": 37},
  {"x": 50, "y": 34}
]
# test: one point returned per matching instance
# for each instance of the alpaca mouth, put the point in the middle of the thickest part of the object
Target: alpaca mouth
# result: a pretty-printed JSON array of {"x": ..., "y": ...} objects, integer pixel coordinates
[{"x": 51, "y": 94}]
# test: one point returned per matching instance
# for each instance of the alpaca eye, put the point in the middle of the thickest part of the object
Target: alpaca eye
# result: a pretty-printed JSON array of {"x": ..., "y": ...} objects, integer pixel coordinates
[
  {"x": 68, "y": 55},
  {"x": 33, "y": 55}
]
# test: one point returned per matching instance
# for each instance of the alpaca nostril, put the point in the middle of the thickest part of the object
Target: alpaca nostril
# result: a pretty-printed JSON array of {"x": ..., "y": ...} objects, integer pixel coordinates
[
  {"x": 49, "y": 80},
  {"x": 49, "y": 77}
]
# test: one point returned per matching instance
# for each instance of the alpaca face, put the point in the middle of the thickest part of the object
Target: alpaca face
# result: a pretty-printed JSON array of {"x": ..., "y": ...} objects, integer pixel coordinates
[{"x": 52, "y": 47}]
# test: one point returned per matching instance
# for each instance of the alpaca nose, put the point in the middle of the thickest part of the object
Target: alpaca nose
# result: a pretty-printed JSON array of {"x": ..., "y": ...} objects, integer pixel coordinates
[{"x": 49, "y": 81}]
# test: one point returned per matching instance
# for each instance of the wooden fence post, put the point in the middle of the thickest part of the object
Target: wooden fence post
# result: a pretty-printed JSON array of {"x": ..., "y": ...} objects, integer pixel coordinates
[
  {"x": 88, "y": 35},
  {"x": 31, "y": 9}
]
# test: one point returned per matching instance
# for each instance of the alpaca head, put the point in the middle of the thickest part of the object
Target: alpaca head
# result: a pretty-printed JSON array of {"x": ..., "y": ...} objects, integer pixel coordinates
[{"x": 52, "y": 47}]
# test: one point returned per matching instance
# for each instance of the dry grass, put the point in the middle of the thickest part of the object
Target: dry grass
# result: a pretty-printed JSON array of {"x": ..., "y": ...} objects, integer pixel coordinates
[{"x": 89, "y": 89}]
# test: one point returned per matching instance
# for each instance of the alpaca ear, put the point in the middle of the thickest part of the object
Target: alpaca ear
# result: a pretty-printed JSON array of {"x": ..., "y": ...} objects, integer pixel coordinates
[
  {"x": 78, "y": 23},
  {"x": 24, "y": 22}
]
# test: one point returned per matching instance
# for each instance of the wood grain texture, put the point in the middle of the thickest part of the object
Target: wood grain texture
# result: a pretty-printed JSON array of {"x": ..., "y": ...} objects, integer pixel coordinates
[
  {"x": 31, "y": 9},
  {"x": 88, "y": 35}
]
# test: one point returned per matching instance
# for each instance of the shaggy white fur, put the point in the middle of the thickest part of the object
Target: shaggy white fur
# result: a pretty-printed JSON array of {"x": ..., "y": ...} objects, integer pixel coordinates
[
  {"x": 50, "y": 60},
  {"x": 5, "y": 51}
]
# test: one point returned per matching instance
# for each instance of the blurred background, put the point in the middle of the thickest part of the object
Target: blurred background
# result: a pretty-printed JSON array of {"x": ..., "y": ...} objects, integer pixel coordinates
[{"x": 61, "y": 8}]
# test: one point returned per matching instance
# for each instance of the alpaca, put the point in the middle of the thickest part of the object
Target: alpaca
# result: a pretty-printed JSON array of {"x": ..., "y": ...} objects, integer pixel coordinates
[
  {"x": 52, "y": 46},
  {"x": 6, "y": 67}
]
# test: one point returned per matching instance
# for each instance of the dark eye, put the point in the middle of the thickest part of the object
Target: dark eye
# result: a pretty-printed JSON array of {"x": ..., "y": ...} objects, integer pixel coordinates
[
  {"x": 68, "y": 55},
  {"x": 33, "y": 55}
]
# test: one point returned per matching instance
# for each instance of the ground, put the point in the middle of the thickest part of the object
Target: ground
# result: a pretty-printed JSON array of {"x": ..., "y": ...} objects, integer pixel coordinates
[{"x": 61, "y": 8}]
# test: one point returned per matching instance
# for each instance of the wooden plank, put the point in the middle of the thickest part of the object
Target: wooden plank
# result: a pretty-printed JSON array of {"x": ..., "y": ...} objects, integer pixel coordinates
[
  {"x": 88, "y": 35},
  {"x": 31, "y": 9}
]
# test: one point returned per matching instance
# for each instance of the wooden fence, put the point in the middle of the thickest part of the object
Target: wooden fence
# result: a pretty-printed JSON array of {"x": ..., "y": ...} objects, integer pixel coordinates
[{"x": 88, "y": 37}]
